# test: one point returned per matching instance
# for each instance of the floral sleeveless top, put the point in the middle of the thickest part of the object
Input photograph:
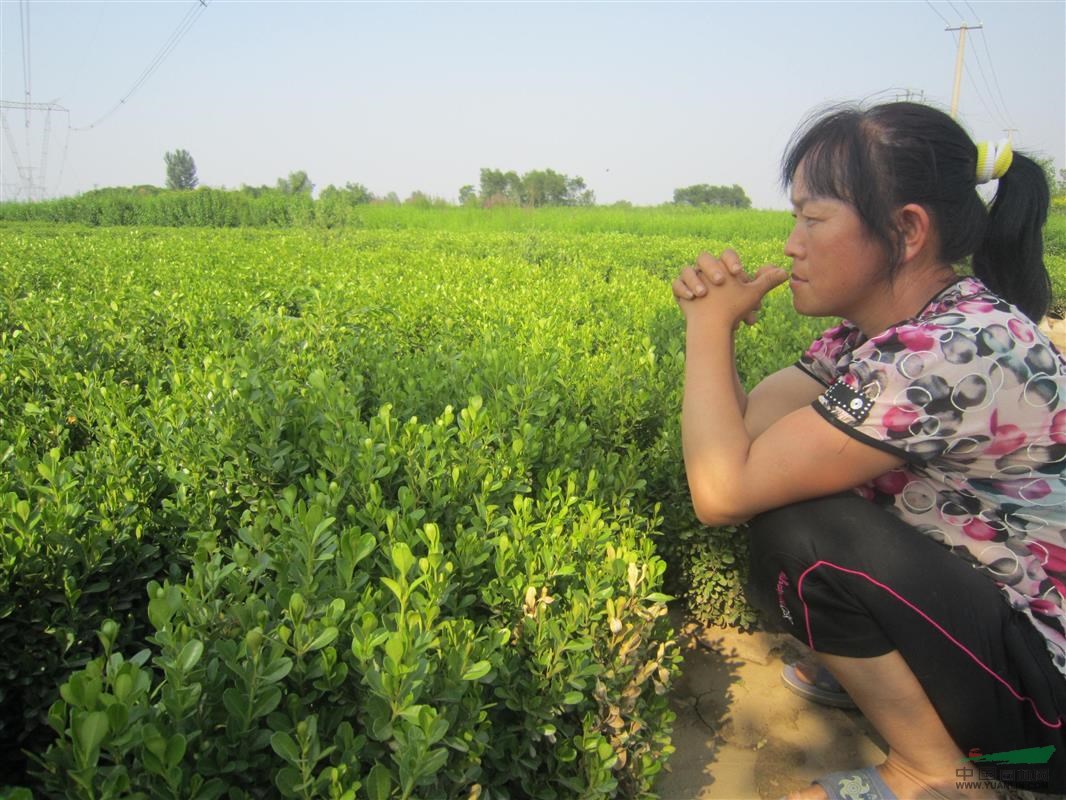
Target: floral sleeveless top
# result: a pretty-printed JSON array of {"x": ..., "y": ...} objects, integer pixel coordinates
[{"x": 973, "y": 395}]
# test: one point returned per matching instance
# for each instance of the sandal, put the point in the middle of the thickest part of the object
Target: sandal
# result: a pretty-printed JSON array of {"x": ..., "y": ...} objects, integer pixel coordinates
[
  {"x": 825, "y": 689},
  {"x": 857, "y": 784}
]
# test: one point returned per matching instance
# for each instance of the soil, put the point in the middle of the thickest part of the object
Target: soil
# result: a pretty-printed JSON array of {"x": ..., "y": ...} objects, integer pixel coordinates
[
  {"x": 1056, "y": 332},
  {"x": 740, "y": 733}
]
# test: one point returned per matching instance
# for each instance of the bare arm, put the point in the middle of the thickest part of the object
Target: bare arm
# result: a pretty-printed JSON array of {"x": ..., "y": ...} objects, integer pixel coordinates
[
  {"x": 798, "y": 455},
  {"x": 777, "y": 395}
]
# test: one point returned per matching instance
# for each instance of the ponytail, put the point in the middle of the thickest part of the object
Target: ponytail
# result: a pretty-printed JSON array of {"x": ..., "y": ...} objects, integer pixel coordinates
[{"x": 1010, "y": 259}]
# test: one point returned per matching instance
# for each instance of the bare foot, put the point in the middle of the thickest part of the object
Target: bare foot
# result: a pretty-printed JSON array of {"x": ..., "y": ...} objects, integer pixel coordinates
[{"x": 907, "y": 786}]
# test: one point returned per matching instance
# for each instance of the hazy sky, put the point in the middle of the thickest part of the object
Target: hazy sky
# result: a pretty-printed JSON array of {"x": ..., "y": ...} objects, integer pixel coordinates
[{"x": 637, "y": 98}]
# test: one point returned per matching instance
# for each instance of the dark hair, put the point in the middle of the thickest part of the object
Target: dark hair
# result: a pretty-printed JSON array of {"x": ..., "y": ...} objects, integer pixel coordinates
[{"x": 881, "y": 158}]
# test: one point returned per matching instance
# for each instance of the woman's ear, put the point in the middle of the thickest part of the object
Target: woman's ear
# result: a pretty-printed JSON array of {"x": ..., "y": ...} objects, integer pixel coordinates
[{"x": 917, "y": 229}]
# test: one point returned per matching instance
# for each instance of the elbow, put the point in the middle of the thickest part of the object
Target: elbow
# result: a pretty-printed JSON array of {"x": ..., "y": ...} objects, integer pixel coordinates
[{"x": 718, "y": 514}]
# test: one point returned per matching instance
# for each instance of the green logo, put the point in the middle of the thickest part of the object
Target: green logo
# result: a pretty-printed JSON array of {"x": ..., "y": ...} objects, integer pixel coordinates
[{"x": 1032, "y": 755}]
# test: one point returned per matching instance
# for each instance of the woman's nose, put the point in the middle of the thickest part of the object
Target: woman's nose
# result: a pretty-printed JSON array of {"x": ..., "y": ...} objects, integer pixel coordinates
[{"x": 793, "y": 245}]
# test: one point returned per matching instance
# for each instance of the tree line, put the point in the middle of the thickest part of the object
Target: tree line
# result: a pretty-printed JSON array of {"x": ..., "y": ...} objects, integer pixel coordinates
[{"x": 533, "y": 189}]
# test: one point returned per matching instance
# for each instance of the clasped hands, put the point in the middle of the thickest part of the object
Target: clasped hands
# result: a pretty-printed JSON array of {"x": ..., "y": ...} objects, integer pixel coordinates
[{"x": 718, "y": 289}]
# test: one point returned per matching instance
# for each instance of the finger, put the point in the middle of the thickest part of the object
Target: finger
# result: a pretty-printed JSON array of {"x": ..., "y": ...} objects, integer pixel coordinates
[
  {"x": 767, "y": 278},
  {"x": 681, "y": 290},
  {"x": 711, "y": 268},
  {"x": 752, "y": 317},
  {"x": 693, "y": 281},
  {"x": 771, "y": 269},
  {"x": 732, "y": 261}
]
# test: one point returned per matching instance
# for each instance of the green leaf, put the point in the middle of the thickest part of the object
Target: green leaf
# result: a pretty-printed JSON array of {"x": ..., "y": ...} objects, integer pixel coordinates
[
  {"x": 659, "y": 597},
  {"x": 175, "y": 750},
  {"x": 234, "y": 702},
  {"x": 163, "y": 605},
  {"x": 285, "y": 746},
  {"x": 477, "y": 671},
  {"x": 117, "y": 717},
  {"x": 297, "y": 606},
  {"x": 395, "y": 588},
  {"x": 288, "y": 782},
  {"x": 277, "y": 670},
  {"x": 89, "y": 732},
  {"x": 326, "y": 637},
  {"x": 434, "y": 760},
  {"x": 81, "y": 691},
  {"x": 267, "y": 701},
  {"x": 190, "y": 655},
  {"x": 379, "y": 783},
  {"x": 402, "y": 558},
  {"x": 395, "y": 646},
  {"x": 366, "y": 545}
]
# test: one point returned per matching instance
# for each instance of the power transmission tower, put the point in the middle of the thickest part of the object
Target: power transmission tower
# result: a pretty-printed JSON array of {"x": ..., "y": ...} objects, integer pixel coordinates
[
  {"x": 911, "y": 95},
  {"x": 32, "y": 176},
  {"x": 958, "y": 62}
]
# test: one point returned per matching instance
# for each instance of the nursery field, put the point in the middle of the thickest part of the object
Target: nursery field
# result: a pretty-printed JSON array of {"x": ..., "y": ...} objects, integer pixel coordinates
[{"x": 375, "y": 512}]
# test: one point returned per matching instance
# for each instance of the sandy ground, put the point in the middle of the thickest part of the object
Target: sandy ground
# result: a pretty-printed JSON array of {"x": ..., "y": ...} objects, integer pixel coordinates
[
  {"x": 1056, "y": 331},
  {"x": 740, "y": 734}
]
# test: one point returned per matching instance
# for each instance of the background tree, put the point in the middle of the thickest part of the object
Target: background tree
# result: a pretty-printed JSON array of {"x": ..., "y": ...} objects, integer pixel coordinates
[
  {"x": 536, "y": 188},
  {"x": 420, "y": 199},
  {"x": 354, "y": 194},
  {"x": 500, "y": 187},
  {"x": 468, "y": 195},
  {"x": 181, "y": 170},
  {"x": 702, "y": 194},
  {"x": 296, "y": 183}
]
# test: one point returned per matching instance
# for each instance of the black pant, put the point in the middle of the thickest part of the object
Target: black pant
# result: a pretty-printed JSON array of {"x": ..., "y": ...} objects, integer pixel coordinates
[{"x": 848, "y": 578}]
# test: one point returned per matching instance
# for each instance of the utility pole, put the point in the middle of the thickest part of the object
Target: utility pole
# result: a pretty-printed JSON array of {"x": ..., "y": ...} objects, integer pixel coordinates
[
  {"x": 1010, "y": 135},
  {"x": 958, "y": 62}
]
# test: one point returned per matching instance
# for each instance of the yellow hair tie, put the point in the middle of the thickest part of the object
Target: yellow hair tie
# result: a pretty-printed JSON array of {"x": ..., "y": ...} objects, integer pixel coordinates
[{"x": 993, "y": 160}]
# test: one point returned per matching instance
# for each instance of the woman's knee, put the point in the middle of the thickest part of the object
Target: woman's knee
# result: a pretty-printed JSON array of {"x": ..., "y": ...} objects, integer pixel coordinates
[
  {"x": 785, "y": 541},
  {"x": 788, "y": 532},
  {"x": 781, "y": 543}
]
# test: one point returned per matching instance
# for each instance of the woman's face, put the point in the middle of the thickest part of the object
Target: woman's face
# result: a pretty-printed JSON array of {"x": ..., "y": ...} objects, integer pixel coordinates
[{"x": 838, "y": 269}]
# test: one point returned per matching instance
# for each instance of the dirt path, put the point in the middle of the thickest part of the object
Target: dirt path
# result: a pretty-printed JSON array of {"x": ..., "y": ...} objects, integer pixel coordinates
[{"x": 740, "y": 734}]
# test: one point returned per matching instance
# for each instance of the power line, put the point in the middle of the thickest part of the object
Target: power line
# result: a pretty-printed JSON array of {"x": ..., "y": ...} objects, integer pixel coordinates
[
  {"x": 168, "y": 47},
  {"x": 995, "y": 78},
  {"x": 1001, "y": 110},
  {"x": 24, "y": 32},
  {"x": 957, "y": 12},
  {"x": 1002, "y": 102},
  {"x": 980, "y": 96},
  {"x": 935, "y": 11}
]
